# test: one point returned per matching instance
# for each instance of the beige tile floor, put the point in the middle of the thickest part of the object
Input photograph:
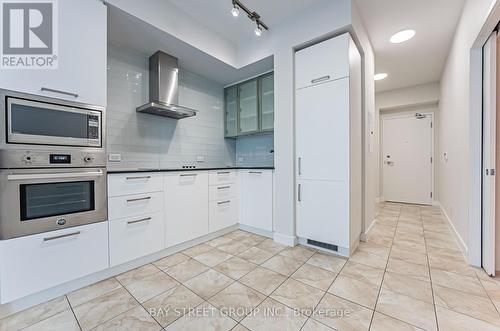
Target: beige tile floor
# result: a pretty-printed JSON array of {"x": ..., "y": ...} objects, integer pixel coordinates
[{"x": 409, "y": 275}]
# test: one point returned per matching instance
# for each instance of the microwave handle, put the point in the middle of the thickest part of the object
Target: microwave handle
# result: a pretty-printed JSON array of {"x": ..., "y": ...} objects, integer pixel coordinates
[
  {"x": 55, "y": 175},
  {"x": 46, "y": 89}
]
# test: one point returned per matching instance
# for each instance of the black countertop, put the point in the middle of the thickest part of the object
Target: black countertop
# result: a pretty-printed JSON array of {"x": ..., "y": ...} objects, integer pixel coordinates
[{"x": 126, "y": 171}]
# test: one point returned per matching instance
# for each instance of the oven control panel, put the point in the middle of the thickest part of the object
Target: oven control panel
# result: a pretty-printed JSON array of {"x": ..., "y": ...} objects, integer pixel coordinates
[{"x": 10, "y": 159}]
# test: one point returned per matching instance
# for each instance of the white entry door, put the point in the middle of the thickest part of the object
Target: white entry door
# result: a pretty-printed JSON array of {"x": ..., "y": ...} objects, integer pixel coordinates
[
  {"x": 407, "y": 156},
  {"x": 489, "y": 154}
]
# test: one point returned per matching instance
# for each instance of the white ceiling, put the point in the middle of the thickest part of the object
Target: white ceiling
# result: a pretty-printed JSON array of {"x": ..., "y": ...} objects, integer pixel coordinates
[
  {"x": 421, "y": 59},
  {"x": 216, "y": 15}
]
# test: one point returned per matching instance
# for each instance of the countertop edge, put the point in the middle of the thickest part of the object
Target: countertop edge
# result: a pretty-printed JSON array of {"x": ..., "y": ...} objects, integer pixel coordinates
[{"x": 128, "y": 171}]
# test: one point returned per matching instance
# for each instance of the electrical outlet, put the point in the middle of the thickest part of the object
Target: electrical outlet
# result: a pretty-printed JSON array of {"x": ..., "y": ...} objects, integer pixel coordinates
[
  {"x": 200, "y": 158},
  {"x": 114, "y": 157}
]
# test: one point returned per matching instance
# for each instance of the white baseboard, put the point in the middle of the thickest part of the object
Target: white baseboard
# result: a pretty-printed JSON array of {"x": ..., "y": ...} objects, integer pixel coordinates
[
  {"x": 257, "y": 231},
  {"x": 57, "y": 291},
  {"x": 461, "y": 243},
  {"x": 285, "y": 239}
]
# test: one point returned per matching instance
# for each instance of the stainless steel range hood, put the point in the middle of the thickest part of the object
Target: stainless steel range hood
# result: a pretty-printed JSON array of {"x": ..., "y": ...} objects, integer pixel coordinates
[{"x": 163, "y": 88}]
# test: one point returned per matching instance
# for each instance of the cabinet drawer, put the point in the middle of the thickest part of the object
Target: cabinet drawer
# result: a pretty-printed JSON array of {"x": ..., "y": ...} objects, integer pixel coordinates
[
  {"x": 135, "y": 183},
  {"x": 326, "y": 61},
  {"x": 133, "y": 237},
  {"x": 222, "y": 214},
  {"x": 222, "y": 177},
  {"x": 133, "y": 205},
  {"x": 35, "y": 263},
  {"x": 222, "y": 192}
]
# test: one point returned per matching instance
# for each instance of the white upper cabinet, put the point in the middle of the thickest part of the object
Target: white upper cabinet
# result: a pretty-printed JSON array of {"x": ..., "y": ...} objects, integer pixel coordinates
[
  {"x": 322, "y": 62},
  {"x": 82, "y": 52},
  {"x": 186, "y": 206}
]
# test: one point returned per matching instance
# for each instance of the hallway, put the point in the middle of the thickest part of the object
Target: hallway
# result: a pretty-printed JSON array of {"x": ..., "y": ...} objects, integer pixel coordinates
[{"x": 410, "y": 275}]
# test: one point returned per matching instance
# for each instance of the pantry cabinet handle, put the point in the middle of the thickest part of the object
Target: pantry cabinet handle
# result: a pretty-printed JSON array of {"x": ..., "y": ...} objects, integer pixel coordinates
[
  {"x": 139, "y": 199},
  {"x": 139, "y": 177},
  {"x": 299, "y": 193},
  {"x": 223, "y": 187},
  {"x": 300, "y": 166},
  {"x": 223, "y": 202},
  {"x": 46, "y": 89},
  {"x": 62, "y": 236},
  {"x": 139, "y": 221},
  {"x": 320, "y": 79}
]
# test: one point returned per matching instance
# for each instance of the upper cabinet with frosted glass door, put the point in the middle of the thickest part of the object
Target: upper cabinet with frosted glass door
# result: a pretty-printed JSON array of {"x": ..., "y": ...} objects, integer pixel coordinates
[{"x": 249, "y": 106}]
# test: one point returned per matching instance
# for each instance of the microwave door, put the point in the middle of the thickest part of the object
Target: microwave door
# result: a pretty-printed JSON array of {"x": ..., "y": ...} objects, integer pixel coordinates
[{"x": 34, "y": 122}]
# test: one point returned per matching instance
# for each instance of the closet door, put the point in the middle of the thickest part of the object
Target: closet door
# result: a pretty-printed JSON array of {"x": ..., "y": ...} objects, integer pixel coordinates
[
  {"x": 322, "y": 131},
  {"x": 489, "y": 154}
]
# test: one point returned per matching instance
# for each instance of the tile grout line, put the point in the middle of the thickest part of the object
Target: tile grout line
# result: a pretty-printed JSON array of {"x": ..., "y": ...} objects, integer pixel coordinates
[
  {"x": 73, "y": 312},
  {"x": 385, "y": 270}
]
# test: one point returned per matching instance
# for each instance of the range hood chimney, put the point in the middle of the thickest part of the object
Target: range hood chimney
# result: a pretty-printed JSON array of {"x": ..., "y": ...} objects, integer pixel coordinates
[{"x": 163, "y": 88}]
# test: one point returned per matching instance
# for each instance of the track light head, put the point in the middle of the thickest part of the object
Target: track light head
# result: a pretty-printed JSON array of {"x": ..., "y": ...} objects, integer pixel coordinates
[
  {"x": 235, "y": 11},
  {"x": 258, "y": 30}
]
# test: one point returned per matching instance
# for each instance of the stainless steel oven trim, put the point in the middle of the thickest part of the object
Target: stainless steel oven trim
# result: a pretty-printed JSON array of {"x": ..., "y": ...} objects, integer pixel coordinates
[
  {"x": 20, "y": 138},
  {"x": 11, "y": 225}
]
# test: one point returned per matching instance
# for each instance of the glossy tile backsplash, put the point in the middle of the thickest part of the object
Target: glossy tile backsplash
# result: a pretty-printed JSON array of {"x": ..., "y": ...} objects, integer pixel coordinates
[
  {"x": 147, "y": 141},
  {"x": 255, "y": 150}
]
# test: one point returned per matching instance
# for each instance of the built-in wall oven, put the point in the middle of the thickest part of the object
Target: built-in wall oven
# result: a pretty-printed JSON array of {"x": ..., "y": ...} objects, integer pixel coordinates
[{"x": 52, "y": 164}]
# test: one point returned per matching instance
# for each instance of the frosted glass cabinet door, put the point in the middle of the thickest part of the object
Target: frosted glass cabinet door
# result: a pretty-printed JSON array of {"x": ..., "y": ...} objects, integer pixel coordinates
[
  {"x": 249, "y": 119},
  {"x": 267, "y": 102},
  {"x": 231, "y": 95}
]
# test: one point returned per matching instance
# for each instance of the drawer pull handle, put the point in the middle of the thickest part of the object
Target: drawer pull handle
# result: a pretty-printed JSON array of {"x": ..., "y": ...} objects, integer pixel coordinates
[
  {"x": 189, "y": 175},
  {"x": 223, "y": 187},
  {"x": 139, "y": 199},
  {"x": 62, "y": 236},
  {"x": 223, "y": 202},
  {"x": 320, "y": 79},
  {"x": 138, "y": 177},
  {"x": 46, "y": 89},
  {"x": 223, "y": 173},
  {"x": 139, "y": 221},
  {"x": 255, "y": 172}
]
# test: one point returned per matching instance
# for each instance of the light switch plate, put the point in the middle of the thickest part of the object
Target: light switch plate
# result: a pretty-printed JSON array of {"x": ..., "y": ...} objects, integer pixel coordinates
[
  {"x": 114, "y": 157},
  {"x": 200, "y": 158}
]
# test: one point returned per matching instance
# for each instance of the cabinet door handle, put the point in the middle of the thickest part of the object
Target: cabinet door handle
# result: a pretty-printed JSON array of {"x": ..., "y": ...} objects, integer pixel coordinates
[
  {"x": 223, "y": 173},
  {"x": 255, "y": 172},
  {"x": 189, "y": 175},
  {"x": 320, "y": 79},
  {"x": 139, "y": 221},
  {"x": 300, "y": 166},
  {"x": 223, "y": 187},
  {"x": 223, "y": 202},
  {"x": 299, "y": 193},
  {"x": 139, "y": 177},
  {"x": 139, "y": 199},
  {"x": 46, "y": 89},
  {"x": 62, "y": 236}
]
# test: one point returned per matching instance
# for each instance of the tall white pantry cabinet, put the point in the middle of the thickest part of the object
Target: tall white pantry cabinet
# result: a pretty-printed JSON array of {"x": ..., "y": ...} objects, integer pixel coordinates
[{"x": 328, "y": 124}]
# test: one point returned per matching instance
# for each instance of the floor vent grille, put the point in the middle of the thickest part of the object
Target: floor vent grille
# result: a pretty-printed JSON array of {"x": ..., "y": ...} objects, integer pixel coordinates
[{"x": 330, "y": 247}]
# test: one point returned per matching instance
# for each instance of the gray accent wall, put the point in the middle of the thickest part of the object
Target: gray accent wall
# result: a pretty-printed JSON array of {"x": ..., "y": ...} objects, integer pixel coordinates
[{"x": 147, "y": 141}]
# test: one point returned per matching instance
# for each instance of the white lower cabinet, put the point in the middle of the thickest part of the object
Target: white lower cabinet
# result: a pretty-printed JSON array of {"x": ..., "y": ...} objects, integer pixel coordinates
[
  {"x": 134, "y": 237},
  {"x": 256, "y": 199},
  {"x": 186, "y": 206},
  {"x": 35, "y": 263}
]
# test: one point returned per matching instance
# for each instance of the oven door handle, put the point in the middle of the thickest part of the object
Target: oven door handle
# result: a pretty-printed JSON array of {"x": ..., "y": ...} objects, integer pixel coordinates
[{"x": 55, "y": 175}]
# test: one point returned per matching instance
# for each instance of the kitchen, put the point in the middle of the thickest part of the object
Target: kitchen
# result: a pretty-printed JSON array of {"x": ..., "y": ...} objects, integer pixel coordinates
[{"x": 159, "y": 164}]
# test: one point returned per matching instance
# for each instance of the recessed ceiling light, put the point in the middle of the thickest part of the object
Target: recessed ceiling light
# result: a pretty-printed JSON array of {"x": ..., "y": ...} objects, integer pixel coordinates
[
  {"x": 235, "y": 11},
  {"x": 380, "y": 76},
  {"x": 402, "y": 36}
]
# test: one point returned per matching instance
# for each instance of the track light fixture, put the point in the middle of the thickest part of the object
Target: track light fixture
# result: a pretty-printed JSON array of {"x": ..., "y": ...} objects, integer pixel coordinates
[{"x": 253, "y": 16}]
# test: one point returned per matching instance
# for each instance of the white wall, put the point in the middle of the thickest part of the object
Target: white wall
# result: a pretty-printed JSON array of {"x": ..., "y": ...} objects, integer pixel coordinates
[{"x": 453, "y": 185}]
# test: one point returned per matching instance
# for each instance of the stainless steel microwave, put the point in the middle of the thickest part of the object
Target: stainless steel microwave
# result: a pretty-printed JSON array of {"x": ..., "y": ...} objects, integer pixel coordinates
[{"x": 36, "y": 120}]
